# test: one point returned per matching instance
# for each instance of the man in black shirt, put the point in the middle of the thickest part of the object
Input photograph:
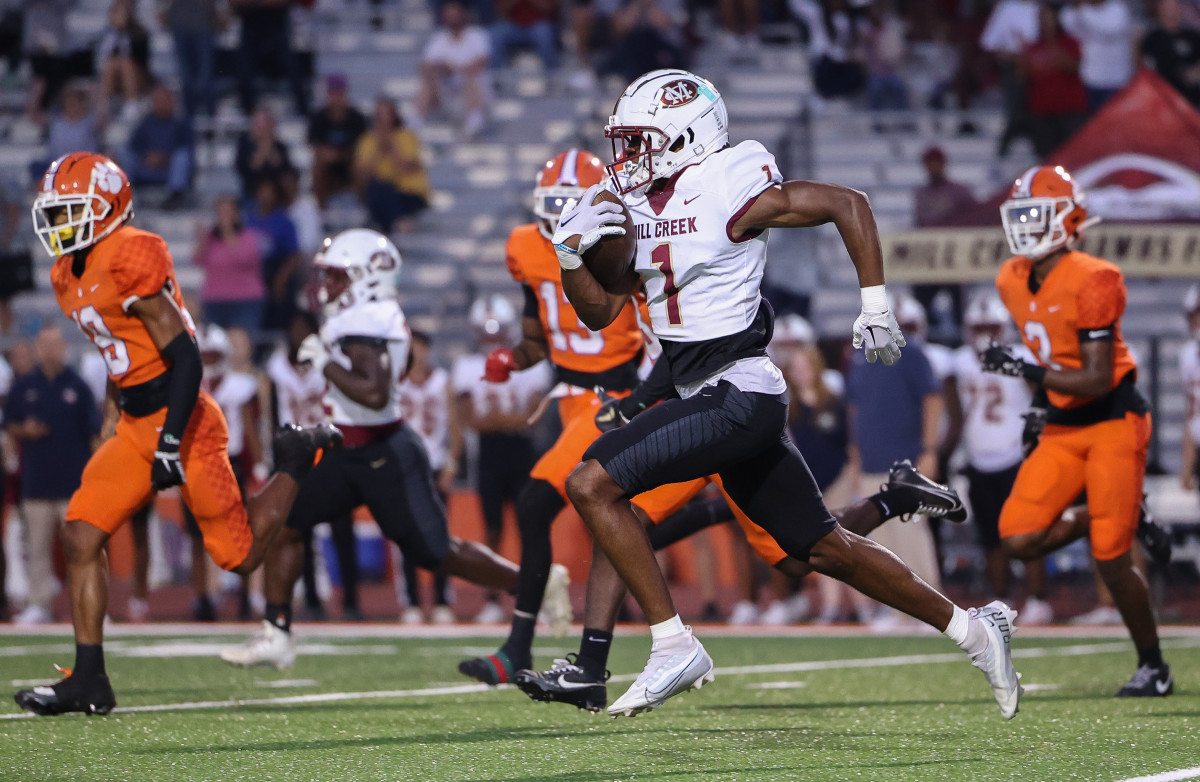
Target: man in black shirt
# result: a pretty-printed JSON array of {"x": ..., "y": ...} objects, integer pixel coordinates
[
  {"x": 1174, "y": 51},
  {"x": 333, "y": 133}
]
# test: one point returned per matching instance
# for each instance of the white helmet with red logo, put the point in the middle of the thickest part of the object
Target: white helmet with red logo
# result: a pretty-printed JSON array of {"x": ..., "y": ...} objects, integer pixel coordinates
[
  {"x": 986, "y": 319},
  {"x": 355, "y": 266},
  {"x": 664, "y": 120},
  {"x": 564, "y": 177},
  {"x": 493, "y": 318}
]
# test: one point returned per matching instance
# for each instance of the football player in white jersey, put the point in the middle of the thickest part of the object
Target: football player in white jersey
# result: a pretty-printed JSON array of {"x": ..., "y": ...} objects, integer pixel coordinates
[
  {"x": 994, "y": 408},
  {"x": 1189, "y": 370},
  {"x": 701, "y": 210},
  {"x": 362, "y": 350},
  {"x": 427, "y": 406}
]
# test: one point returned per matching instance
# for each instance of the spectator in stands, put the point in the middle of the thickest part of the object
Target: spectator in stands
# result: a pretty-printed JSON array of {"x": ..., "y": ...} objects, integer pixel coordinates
[
  {"x": 456, "y": 58},
  {"x": 73, "y": 128},
  {"x": 1104, "y": 29},
  {"x": 529, "y": 23},
  {"x": 834, "y": 41},
  {"x": 333, "y": 132},
  {"x": 231, "y": 256},
  {"x": 739, "y": 25},
  {"x": 896, "y": 413},
  {"x": 48, "y": 44},
  {"x": 281, "y": 259},
  {"x": 886, "y": 51},
  {"x": 646, "y": 35},
  {"x": 389, "y": 172},
  {"x": 1057, "y": 99},
  {"x": 161, "y": 149},
  {"x": 1012, "y": 26},
  {"x": 938, "y": 200},
  {"x": 1173, "y": 50},
  {"x": 194, "y": 25},
  {"x": 305, "y": 213},
  {"x": 124, "y": 58},
  {"x": 260, "y": 153},
  {"x": 52, "y": 415},
  {"x": 267, "y": 29}
]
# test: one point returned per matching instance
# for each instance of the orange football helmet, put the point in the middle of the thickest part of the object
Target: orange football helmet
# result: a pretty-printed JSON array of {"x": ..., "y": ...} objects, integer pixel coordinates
[
  {"x": 564, "y": 177},
  {"x": 1045, "y": 212},
  {"x": 91, "y": 192}
]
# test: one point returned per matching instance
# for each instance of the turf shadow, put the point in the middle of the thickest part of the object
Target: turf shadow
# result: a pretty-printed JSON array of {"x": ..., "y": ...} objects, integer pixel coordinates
[{"x": 757, "y": 770}]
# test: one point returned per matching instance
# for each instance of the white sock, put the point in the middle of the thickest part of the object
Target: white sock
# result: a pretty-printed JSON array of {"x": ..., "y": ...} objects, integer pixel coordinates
[
  {"x": 665, "y": 632},
  {"x": 969, "y": 635}
]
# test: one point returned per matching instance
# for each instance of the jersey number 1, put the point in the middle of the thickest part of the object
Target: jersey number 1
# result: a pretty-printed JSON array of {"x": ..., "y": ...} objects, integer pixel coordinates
[{"x": 660, "y": 258}]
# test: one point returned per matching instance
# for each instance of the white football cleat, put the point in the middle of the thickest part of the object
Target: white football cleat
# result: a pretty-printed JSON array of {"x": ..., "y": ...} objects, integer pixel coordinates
[
  {"x": 556, "y": 601},
  {"x": 667, "y": 673},
  {"x": 442, "y": 615},
  {"x": 999, "y": 623},
  {"x": 744, "y": 612},
  {"x": 1036, "y": 612},
  {"x": 490, "y": 614},
  {"x": 269, "y": 646},
  {"x": 412, "y": 616}
]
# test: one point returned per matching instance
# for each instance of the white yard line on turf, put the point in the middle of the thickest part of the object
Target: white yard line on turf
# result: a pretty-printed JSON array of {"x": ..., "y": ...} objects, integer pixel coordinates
[
  {"x": 465, "y": 689},
  {"x": 1168, "y": 776}
]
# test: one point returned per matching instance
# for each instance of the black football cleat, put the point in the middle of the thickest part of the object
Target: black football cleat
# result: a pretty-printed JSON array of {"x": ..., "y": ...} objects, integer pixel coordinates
[
  {"x": 565, "y": 682},
  {"x": 933, "y": 499},
  {"x": 493, "y": 669},
  {"x": 93, "y": 696},
  {"x": 298, "y": 442},
  {"x": 1155, "y": 538},
  {"x": 1148, "y": 682}
]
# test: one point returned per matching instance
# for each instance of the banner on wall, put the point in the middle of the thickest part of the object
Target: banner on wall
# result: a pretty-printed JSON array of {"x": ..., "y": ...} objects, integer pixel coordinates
[{"x": 973, "y": 254}]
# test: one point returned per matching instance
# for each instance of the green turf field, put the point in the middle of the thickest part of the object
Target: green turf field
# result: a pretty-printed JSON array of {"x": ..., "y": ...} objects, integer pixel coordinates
[{"x": 829, "y": 708}]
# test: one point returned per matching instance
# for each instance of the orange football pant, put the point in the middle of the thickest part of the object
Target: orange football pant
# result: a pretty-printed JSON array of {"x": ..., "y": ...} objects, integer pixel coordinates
[
  {"x": 578, "y": 414},
  {"x": 116, "y": 480},
  {"x": 1108, "y": 459}
]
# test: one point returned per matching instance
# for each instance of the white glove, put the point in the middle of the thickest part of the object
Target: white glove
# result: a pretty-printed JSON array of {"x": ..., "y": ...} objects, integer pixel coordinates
[
  {"x": 312, "y": 351},
  {"x": 878, "y": 334},
  {"x": 590, "y": 223}
]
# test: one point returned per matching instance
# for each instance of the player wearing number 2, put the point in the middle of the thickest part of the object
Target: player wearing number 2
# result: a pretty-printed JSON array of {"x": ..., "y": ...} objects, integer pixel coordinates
[
  {"x": 701, "y": 210},
  {"x": 118, "y": 284},
  {"x": 1068, "y": 307}
]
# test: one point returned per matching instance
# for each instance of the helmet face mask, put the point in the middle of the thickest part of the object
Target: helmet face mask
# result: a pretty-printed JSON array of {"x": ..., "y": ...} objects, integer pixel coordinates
[
  {"x": 548, "y": 205},
  {"x": 663, "y": 122},
  {"x": 355, "y": 266},
  {"x": 1035, "y": 227},
  {"x": 76, "y": 208},
  {"x": 562, "y": 179}
]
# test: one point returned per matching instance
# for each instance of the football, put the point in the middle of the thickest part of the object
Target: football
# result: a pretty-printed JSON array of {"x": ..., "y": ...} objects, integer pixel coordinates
[{"x": 609, "y": 258}]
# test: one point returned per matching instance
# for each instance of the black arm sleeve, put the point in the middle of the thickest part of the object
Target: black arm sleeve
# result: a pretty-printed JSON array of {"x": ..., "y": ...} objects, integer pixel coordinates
[
  {"x": 657, "y": 386},
  {"x": 530, "y": 310},
  {"x": 183, "y": 355}
]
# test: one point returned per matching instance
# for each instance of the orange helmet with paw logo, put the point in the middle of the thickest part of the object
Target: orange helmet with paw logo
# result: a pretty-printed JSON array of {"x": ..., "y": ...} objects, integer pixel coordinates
[
  {"x": 563, "y": 177},
  {"x": 83, "y": 197},
  {"x": 1045, "y": 212}
]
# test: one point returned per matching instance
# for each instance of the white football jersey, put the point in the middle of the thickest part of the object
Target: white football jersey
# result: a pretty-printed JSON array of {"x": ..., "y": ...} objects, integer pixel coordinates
[
  {"x": 1189, "y": 370},
  {"x": 941, "y": 360},
  {"x": 380, "y": 320},
  {"x": 700, "y": 283},
  {"x": 426, "y": 410},
  {"x": 232, "y": 391},
  {"x": 993, "y": 406},
  {"x": 299, "y": 391},
  {"x": 515, "y": 395}
]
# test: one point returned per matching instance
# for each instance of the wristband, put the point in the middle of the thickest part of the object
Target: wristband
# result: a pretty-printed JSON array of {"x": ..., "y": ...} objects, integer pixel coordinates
[
  {"x": 568, "y": 259},
  {"x": 874, "y": 299}
]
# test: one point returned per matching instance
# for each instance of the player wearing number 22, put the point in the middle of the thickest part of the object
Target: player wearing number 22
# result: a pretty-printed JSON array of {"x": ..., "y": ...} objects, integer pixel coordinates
[
  {"x": 118, "y": 284},
  {"x": 702, "y": 273},
  {"x": 1067, "y": 306}
]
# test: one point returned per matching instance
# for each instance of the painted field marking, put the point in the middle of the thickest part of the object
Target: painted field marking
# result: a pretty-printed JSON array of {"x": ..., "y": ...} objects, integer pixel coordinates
[
  {"x": 466, "y": 689},
  {"x": 1168, "y": 776},
  {"x": 281, "y": 684},
  {"x": 795, "y": 685}
]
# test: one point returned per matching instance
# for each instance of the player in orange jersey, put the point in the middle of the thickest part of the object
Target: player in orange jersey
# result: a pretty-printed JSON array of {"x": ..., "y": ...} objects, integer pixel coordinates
[
  {"x": 585, "y": 360},
  {"x": 1067, "y": 306},
  {"x": 118, "y": 284}
]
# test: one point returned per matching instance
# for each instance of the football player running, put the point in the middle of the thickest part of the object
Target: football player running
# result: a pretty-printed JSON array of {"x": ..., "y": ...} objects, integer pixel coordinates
[
  {"x": 701, "y": 211},
  {"x": 160, "y": 430},
  {"x": 362, "y": 350},
  {"x": 1067, "y": 306},
  {"x": 585, "y": 360}
]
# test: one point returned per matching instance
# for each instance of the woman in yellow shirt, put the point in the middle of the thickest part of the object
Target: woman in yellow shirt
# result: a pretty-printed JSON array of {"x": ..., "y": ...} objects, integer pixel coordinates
[{"x": 388, "y": 171}]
